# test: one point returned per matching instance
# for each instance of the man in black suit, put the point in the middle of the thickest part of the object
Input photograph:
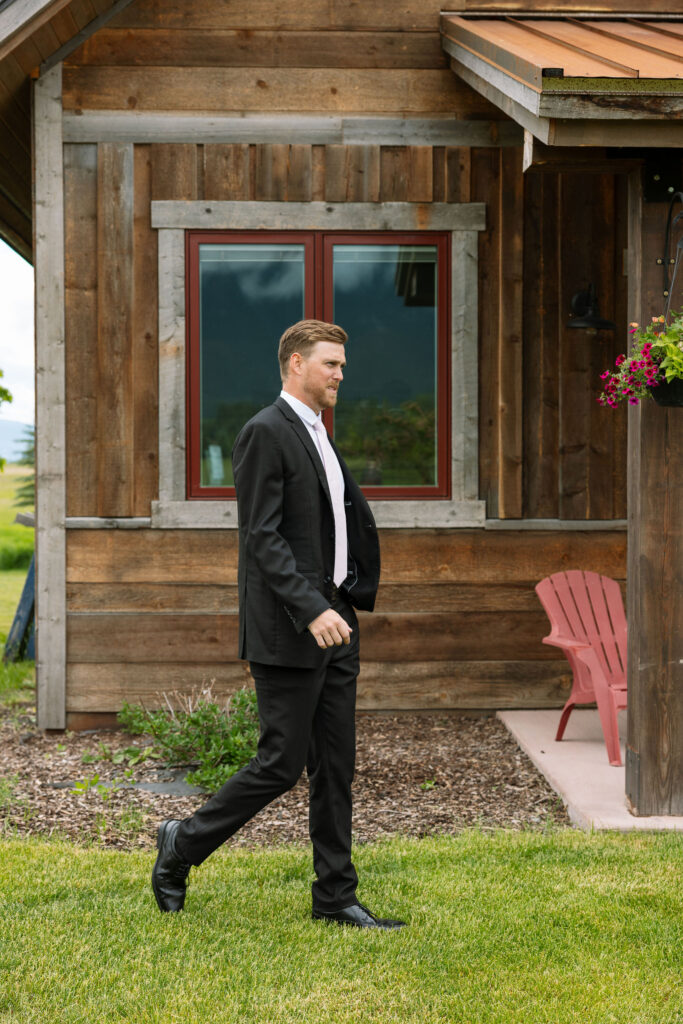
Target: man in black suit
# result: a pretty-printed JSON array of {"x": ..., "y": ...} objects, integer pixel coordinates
[{"x": 308, "y": 551}]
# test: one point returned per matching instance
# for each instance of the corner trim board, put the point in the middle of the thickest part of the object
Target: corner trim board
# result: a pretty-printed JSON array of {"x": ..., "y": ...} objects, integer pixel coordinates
[{"x": 50, "y": 403}]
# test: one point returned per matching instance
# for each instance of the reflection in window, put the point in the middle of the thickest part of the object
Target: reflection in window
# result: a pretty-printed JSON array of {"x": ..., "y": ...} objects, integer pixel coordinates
[
  {"x": 385, "y": 297},
  {"x": 248, "y": 295}
]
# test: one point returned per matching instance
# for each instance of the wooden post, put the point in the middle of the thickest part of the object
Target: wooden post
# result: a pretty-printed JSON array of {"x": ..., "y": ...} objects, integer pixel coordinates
[
  {"x": 50, "y": 402},
  {"x": 654, "y": 752}
]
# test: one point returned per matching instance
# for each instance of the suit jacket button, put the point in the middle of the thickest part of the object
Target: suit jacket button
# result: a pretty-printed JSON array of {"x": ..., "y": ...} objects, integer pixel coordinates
[{"x": 328, "y": 579}]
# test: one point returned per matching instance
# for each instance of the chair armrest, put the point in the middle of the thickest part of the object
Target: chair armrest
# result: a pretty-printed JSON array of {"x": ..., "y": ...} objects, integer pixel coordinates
[{"x": 565, "y": 642}]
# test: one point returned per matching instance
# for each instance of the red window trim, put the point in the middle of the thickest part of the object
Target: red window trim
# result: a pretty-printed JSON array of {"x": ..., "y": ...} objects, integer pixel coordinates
[{"x": 318, "y": 304}]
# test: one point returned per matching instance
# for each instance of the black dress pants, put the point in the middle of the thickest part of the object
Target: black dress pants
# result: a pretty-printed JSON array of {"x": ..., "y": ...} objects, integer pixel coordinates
[{"x": 307, "y": 718}]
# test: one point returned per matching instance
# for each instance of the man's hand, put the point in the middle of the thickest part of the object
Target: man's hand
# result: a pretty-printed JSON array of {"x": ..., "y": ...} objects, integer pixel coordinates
[{"x": 330, "y": 629}]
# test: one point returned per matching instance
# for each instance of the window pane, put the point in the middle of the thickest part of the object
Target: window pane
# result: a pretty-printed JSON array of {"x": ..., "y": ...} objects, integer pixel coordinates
[
  {"x": 248, "y": 295},
  {"x": 385, "y": 297}
]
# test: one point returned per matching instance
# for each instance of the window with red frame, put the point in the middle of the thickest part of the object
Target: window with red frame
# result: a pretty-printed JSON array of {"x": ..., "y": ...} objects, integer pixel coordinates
[{"x": 389, "y": 291}]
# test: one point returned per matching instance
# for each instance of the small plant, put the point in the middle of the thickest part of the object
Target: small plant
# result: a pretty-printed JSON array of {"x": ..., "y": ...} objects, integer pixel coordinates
[
  {"x": 656, "y": 356},
  {"x": 93, "y": 785},
  {"x": 427, "y": 785},
  {"x": 197, "y": 731}
]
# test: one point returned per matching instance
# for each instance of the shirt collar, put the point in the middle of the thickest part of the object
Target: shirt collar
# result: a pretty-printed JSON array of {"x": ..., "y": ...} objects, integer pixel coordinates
[{"x": 301, "y": 409}]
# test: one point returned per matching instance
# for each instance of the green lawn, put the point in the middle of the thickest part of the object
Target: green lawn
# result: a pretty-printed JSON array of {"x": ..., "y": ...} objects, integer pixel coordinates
[
  {"x": 510, "y": 927},
  {"x": 16, "y": 541}
]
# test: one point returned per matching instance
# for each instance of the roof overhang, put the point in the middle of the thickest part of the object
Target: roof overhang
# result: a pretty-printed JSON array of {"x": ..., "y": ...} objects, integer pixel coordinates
[{"x": 576, "y": 82}]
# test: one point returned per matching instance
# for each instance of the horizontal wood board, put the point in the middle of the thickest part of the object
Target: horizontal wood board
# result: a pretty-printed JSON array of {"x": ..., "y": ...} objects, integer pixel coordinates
[
  {"x": 475, "y": 685},
  {"x": 294, "y": 90},
  {"x": 457, "y": 622}
]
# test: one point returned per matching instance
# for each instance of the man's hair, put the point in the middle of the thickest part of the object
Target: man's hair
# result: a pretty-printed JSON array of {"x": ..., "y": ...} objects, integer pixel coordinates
[{"x": 302, "y": 337}]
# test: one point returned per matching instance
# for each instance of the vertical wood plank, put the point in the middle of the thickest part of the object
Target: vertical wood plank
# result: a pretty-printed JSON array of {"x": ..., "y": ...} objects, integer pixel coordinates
[
  {"x": 352, "y": 174},
  {"x": 299, "y": 174},
  {"x": 458, "y": 174},
  {"x": 620, "y": 430},
  {"x": 317, "y": 173},
  {"x": 145, "y": 344},
  {"x": 226, "y": 171},
  {"x": 50, "y": 402},
  {"x": 80, "y": 281},
  {"x": 283, "y": 173},
  {"x": 510, "y": 290},
  {"x": 654, "y": 777},
  {"x": 485, "y": 172},
  {"x": 540, "y": 359},
  {"x": 406, "y": 174},
  {"x": 575, "y": 356},
  {"x": 115, "y": 424},
  {"x": 601, "y": 349},
  {"x": 174, "y": 171},
  {"x": 271, "y": 172}
]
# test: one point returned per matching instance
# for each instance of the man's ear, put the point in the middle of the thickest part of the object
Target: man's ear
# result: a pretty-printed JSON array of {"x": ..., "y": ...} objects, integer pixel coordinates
[{"x": 295, "y": 362}]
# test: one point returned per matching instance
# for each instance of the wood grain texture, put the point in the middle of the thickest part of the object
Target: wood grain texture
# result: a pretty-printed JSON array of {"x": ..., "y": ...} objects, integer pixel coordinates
[
  {"x": 469, "y": 685},
  {"x": 227, "y": 171},
  {"x": 381, "y": 91},
  {"x": 449, "y": 556},
  {"x": 563, "y": 6},
  {"x": 398, "y": 636},
  {"x": 283, "y": 173},
  {"x": 235, "y": 48},
  {"x": 115, "y": 420},
  {"x": 222, "y": 598},
  {"x": 541, "y": 312},
  {"x": 80, "y": 280},
  {"x": 145, "y": 341},
  {"x": 485, "y": 165},
  {"x": 654, "y": 752},
  {"x": 352, "y": 174},
  {"x": 509, "y": 355},
  {"x": 384, "y": 15},
  {"x": 50, "y": 608},
  {"x": 174, "y": 171},
  {"x": 406, "y": 174}
]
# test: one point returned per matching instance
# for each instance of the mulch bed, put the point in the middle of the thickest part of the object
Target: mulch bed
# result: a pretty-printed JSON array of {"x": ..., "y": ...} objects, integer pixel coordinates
[{"x": 416, "y": 775}]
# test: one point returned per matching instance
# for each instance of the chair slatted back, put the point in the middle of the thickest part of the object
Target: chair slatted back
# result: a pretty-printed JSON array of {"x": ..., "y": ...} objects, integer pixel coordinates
[{"x": 586, "y": 606}]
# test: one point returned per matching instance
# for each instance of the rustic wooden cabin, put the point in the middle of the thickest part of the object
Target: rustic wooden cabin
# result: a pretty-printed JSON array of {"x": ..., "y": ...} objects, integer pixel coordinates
[{"x": 204, "y": 173}]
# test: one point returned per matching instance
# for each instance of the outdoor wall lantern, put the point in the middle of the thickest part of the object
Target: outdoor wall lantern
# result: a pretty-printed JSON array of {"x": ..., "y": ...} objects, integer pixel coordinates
[{"x": 586, "y": 315}]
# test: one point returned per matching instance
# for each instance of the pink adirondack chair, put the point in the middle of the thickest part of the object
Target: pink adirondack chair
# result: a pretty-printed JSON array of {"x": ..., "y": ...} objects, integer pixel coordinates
[{"x": 588, "y": 623}]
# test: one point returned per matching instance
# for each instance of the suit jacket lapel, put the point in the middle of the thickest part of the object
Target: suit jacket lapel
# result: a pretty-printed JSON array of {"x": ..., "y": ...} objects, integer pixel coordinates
[{"x": 302, "y": 433}]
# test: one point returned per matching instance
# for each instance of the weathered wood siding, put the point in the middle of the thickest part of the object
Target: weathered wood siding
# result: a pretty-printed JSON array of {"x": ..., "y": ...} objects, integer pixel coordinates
[
  {"x": 547, "y": 449},
  {"x": 457, "y": 622}
]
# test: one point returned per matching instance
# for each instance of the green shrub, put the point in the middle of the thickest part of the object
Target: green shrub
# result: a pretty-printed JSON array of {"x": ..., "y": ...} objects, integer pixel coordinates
[
  {"x": 196, "y": 731},
  {"x": 16, "y": 547}
]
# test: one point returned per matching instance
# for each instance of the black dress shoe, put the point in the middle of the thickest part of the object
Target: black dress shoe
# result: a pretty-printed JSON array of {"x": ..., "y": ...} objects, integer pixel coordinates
[
  {"x": 170, "y": 871},
  {"x": 358, "y": 916}
]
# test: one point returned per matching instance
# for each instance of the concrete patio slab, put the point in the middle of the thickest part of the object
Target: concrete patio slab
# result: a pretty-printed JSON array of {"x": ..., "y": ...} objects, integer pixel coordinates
[{"x": 578, "y": 770}]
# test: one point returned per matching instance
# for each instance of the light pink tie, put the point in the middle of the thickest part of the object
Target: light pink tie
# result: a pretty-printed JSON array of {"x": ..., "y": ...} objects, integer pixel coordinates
[{"x": 335, "y": 482}]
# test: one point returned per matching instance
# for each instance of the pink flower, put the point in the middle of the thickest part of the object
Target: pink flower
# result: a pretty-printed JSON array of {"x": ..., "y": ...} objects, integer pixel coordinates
[{"x": 619, "y": 360}]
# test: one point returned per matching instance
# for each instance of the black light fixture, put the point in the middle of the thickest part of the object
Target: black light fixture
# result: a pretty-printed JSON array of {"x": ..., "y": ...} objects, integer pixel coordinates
[{"x": 586, "y": 313}]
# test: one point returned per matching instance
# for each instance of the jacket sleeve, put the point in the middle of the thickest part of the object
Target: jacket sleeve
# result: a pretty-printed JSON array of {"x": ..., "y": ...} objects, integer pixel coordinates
[{"x": 259, "y": 483}]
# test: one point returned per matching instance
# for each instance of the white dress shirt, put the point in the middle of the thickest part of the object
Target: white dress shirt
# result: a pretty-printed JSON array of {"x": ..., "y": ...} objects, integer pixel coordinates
[{"x": 335, "y": 480}]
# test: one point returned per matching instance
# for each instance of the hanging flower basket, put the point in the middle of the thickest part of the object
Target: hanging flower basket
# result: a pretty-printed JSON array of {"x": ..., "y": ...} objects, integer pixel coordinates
[
  {"x": 669, "y": 392},
  {"x": 654, "y": 366}
]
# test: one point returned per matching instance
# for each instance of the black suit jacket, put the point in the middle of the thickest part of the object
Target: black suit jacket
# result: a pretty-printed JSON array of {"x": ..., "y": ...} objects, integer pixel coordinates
[{"x": 286, "y": 539}]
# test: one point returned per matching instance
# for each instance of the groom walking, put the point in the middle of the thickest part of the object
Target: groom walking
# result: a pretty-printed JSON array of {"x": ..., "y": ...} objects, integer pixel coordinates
[{"x": 308, "y": 552}]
